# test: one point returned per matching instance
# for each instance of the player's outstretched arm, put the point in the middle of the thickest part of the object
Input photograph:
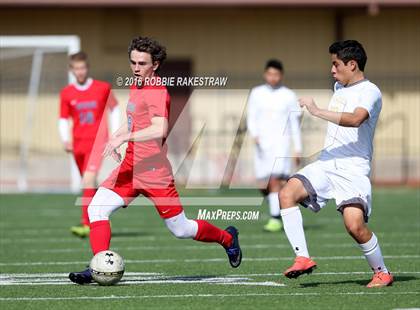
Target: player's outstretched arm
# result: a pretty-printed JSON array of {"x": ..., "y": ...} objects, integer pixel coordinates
[
  {"x": 157, "y": 130},
  {"x": 346, "y": 119}
]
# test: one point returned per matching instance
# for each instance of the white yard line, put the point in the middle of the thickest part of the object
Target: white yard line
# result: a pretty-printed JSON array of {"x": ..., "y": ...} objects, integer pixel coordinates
[
  {"x": 202, "y": 296},
  {"x": 212, "y": 247},
  {"x": 206, "y": 260},
  {"x": 156, "y": 274},
  {"x": 145, "y": 278},
  {"x": 164, "y": 235},
  {"x": 60, "y": 275},
  {"x": 135, "y": 279},
  {"x": 321, "y": 273}
]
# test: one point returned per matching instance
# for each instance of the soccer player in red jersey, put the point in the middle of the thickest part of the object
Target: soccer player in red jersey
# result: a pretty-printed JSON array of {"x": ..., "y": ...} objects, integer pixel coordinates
[
  {"x": 85, "y": 102},
  {"x": 145, "y": 169}
]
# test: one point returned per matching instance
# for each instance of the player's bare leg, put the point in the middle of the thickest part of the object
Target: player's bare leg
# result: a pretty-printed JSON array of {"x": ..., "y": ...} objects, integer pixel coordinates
[
  {"x": 274, "y": 186},
  {"x": 353, "y": 217},
  {"x": 89, "y": 190},
  {"x": 290, "y": 195}
]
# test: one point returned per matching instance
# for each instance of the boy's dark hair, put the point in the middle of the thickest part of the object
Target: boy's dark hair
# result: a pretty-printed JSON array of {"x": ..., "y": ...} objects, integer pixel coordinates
[
  {"x": 274, "y": 63},
  {"x": 350, "y": 50},
  {"x": 79, "y": 56},
  {"x": 148, "y": 45}
]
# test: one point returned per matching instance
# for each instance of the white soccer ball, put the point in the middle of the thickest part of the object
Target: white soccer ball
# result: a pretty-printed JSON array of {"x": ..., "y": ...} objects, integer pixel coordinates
[{"x": 107, "y": 267}]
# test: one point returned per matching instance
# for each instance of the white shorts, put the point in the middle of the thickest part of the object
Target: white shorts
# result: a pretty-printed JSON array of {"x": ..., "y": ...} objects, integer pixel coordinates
[
  {"x": 268, "y": 164},
  {"x": 323, "y": 181}
]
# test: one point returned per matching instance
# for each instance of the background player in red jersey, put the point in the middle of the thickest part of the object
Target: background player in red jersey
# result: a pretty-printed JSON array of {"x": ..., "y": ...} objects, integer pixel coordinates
[
  {"x": 145, "y": 169},
  {"x": 85, "y": 103}
]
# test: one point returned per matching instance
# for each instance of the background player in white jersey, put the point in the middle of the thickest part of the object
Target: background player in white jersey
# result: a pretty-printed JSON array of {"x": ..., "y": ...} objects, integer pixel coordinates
[
  {"x": 273, "y": 119},
  {"x": 342, "y": 170}
]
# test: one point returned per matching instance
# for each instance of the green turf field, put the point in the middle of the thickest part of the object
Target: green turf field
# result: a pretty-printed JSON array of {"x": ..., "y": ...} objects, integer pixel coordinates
[{"x": 37, "y": 252}]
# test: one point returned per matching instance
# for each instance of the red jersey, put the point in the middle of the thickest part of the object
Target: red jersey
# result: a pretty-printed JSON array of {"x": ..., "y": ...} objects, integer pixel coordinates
[
  {"x": 145, "y": 168},
  {"x": 144, "y": 104},
  {"x": 86, "y": 107}
]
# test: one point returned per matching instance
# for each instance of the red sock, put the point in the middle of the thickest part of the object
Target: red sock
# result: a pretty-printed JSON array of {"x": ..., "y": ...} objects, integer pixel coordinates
[
  {"x": 210, "y": 233},
  {"x": 100, "y": 236},
  {"x": 87, "y": 196}
]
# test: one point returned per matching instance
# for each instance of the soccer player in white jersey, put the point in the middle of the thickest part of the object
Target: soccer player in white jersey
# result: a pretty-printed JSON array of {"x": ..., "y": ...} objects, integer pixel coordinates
[
  {"x": 273, "y": 121},
  {"x": 343, "y": 167}
]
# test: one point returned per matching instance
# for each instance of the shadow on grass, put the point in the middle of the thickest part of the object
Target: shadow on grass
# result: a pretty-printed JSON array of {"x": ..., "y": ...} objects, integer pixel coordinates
[{"x": 360, "y": 282}]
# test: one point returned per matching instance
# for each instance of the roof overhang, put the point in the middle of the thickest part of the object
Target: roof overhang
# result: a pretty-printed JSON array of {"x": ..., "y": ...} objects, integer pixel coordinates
[{"x": 211, "y": 3}]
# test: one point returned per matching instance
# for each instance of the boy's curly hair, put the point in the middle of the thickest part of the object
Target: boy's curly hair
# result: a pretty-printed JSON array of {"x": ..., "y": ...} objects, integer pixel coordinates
[{"x": 148, "y": 45}]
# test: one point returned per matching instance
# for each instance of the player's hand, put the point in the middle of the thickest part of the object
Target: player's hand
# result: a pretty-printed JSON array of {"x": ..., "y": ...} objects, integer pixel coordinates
[
  {"x": 116, "y": 155},
  {"x": 310, "y": 105},
  {"x": 112, "y": 146},
  {"x": 68, "y": 147}
]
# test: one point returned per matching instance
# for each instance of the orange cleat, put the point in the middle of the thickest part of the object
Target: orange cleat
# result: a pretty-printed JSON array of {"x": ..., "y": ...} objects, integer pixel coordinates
[
  {"x": 381, "y": 279},
  {"x": 301, "y": 266}
]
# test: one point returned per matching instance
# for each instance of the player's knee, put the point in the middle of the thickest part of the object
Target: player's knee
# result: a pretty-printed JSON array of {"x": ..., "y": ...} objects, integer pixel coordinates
[
  {"x": 98, "y": 213},
  {"x": 103, "y": 204},
  {"x": 181, "y": 227},
  {"x": 355, "y": 229},
  {"x": 180, "y": 232},
  {"x": 286, "y": 197}
]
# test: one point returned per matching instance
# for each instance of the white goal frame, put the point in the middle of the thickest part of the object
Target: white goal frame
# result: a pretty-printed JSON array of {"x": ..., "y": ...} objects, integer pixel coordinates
[{"x": 40, "y": 45}]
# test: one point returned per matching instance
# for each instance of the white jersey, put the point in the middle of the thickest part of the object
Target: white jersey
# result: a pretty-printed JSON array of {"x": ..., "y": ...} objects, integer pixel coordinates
[
  {"x": 273, "y": 117},
  {"x": 352, "y": 147}
]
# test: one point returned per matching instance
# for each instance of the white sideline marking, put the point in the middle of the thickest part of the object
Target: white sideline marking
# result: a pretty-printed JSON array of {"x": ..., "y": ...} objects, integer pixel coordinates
[
  {"x": 144, "y": 278},
  {"x": 59, "y": 275},
  {"x": 265, "y": 283},
  {"x": 146, "y": 281},
  {"x": 320, "y": 273},
  {"x": 207, "y": 260},
  {"x": 133, "y": 278},
  {"x": 164, "y": 234},
  {"x": 136, "y": 274},
  {"x": 212, "y": 247},
  {"x": 200, "y": 296}
]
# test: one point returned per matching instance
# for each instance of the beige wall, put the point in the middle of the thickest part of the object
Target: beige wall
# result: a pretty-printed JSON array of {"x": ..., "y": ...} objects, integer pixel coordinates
[{"x": 237, "y": 42}]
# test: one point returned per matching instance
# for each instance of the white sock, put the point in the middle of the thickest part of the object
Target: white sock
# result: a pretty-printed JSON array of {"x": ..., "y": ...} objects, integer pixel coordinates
[
  {"x": 293, "y": 227},
  {"x": 103, "y": 204},
  {"x": 274, "y": 204},
  {"x": 181, "y": 227},
  {"x": 373, "y": 254}
]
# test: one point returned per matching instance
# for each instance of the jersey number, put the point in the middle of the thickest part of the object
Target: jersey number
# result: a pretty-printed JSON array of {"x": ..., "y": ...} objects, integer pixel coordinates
[{"x": 86, "y": 118}]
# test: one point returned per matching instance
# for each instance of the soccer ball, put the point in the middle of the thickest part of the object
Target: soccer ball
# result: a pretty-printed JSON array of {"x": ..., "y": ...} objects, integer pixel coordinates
[{"x": 107, "y": 267}]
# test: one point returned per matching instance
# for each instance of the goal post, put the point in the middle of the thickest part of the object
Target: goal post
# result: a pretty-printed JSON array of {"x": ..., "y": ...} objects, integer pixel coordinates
[{"x": 21, "y": 92}]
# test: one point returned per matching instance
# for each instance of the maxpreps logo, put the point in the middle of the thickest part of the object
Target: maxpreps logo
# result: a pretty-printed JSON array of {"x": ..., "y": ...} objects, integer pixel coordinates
[{"x": 219, "y": 214}]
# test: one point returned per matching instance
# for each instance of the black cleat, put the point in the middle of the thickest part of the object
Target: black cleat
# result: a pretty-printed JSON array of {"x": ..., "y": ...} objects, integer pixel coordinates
[
  {"x": 83, "y": 277},
  {"x": 234, "y": 252}
]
